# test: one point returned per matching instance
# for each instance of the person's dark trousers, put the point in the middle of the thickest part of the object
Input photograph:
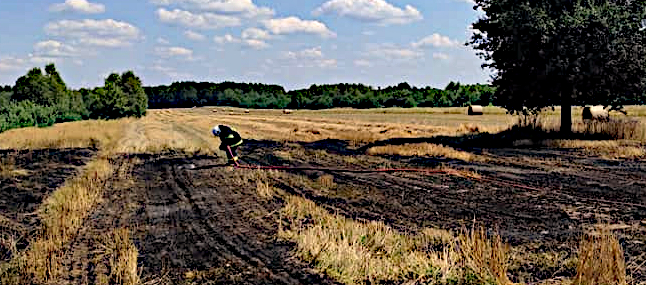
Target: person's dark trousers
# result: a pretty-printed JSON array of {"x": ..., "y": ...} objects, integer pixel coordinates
[{"x": 232, "y": 158}]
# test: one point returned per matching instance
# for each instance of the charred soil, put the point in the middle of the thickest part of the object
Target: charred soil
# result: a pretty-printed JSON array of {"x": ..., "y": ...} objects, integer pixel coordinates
[{"x": 29, "y": 177}]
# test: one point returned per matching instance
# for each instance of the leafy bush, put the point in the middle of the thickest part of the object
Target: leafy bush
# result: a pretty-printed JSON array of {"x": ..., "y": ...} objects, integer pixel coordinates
[{"x": 41, "y": 100}]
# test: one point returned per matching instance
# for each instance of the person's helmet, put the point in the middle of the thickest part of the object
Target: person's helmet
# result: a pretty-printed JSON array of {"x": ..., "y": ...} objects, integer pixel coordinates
[{"x": 216, "y": 130}]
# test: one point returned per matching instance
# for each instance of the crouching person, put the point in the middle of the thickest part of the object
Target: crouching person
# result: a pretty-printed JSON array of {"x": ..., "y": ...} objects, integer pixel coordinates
[{"x": 230, "y": 139}]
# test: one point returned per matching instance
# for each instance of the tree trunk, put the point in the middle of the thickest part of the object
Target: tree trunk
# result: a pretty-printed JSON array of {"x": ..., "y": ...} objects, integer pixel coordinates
[{"x": 566, "y": 114}]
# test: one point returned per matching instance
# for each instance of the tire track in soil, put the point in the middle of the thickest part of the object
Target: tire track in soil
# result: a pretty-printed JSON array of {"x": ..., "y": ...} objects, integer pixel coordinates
[{"x": 209, "y": 229}]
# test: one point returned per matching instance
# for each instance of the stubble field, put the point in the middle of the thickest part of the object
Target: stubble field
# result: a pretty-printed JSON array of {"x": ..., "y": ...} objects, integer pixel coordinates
[{"x": 119, "y": 202}]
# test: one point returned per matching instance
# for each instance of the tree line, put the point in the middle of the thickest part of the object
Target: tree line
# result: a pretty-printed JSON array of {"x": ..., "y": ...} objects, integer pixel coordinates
[
  {"x": 42, "y": 99},
  {"x": 253, "y": 95}
]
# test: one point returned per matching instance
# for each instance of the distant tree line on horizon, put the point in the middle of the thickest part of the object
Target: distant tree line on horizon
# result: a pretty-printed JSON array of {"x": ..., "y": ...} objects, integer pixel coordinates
[
  {"x": 42, "y": 99},
  {"x": 263, "y": 96}
]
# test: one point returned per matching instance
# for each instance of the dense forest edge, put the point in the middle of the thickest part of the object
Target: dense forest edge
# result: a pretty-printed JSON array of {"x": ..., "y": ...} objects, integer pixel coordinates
[
  {"x": 262, "y": 96},
  {"x": 41, "y": 97}
]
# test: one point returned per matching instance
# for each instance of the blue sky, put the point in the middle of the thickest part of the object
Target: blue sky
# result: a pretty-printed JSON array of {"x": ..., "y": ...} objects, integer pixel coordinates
[{"x": 293, "y": 43}]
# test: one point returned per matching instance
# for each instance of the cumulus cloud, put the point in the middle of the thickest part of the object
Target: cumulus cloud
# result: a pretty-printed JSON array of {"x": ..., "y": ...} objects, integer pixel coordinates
[
  {"x": 177, "y": 52},
  {"x": 256, "y": 34},
  {"x": 197, "y": 20},
  {"x": 257, "y": 44},
  {"x": 244, "y": 8},
  {"x": 441, "y": 56},
  {"x": 226, "y": 39},
  {"x": 250, "y": 40},
  {"x": 11, "y": 64},
  {"x": 194, "y": 36},
  {"x": 362, "y": 63},
  {"x": 312, "y": 57},
  {"x": 314, "y": 52},
  {"x": 51, "y": 48},
  {"x": 171, "y": 72},
  {"x": 103, "y": 33},
  {"x": 436, "y": 40},
  {"x": 81, "y": 6},
  {"x": 376, "y": 11},
  {"x": 294, "y": 25},
  {"x": 391, "y": 52}
]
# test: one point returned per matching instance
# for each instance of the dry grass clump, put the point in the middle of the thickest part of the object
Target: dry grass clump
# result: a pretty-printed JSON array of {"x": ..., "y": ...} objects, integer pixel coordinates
[
  {"x": 261, "y": 179},
  {"x": 8, "y": 168},
  {"x": 95, "y": 133},
  {"x": 618, "y": 128},
  {"x": 121, "y": 255},
  {"x": 485, "y": 256},
  {"x": 62, "y": 214},
  {"x": 326, "y": 181},
  {"x": 605, "y": 149},
  {"x": 355, "y": 252},
  {"x": 601, "y": 260},
  {"x": 423, "y": 149}
]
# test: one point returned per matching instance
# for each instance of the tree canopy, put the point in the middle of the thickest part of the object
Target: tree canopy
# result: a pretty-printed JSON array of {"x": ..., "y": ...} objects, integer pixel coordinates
[
  {"x": 42, "y": 99},
  {"x": 563, "y": 52},
  {"x": 252, "y": 95}
]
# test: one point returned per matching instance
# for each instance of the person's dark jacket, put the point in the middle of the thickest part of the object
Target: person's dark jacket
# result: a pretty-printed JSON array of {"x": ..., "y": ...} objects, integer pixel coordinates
[{"x": 229, "y": 136}]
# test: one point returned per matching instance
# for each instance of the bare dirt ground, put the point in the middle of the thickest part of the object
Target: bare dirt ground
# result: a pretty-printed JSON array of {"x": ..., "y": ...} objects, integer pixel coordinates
[
  {"x": 206, "y": 226},
  {"x": 36, "y": 173}
]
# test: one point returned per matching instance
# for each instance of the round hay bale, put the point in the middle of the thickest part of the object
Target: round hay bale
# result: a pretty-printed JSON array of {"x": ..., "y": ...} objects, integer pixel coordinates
[
  {"x": 246, "y": 111},
  {"x": 594, "y": 113},
  {"x": 475, "y": 110},
  {"x": 287, "y": 111}
]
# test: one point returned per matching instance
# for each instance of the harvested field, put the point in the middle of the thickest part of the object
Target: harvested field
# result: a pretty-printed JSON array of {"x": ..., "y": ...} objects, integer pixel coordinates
[
  {"x": 496, "y": 208},
  {"x": 36, "y": 173}
]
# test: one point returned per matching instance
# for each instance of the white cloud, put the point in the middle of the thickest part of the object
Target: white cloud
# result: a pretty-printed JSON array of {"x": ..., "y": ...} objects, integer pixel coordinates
[
  {"x": 368, "y": 33},
  {"x": 171, "y": 72},
  {"x": 244, "y": 8},
  {"x": 362, "y": 63},
  {"x": 256, "y": 34},
  {"x": 51, "y": 48},
  {"x": 391, "y": 52},
  {"x": 440, "y": 55},
  {"x": 436, "y": 40},
  {"x": 162, "y": 41},
  {"x": 377, "y": 11},
  {"x": 312, "y": 57},
  {"x": 197, "y": 20},
  {"x": 257, "y": 44},
  {"x": 177, "y": 52},
  {"x": 248, "y": 41},
  {"x": 104, "y": 33},
  {"x": 293, "y": 25},
  {"x": 11, "y": 64},
  {"x": 39, "y": 60},
  {"x": 194, "y": 36},
  {"x": 314, "y": 52},
  {"x": 226, "y": 39},
  {"x": 82, "y": 6}
]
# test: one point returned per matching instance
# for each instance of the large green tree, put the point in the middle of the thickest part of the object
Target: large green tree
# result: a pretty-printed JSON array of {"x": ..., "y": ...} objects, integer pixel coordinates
[{"x": 563, "y": 52}]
